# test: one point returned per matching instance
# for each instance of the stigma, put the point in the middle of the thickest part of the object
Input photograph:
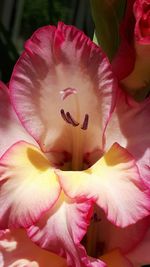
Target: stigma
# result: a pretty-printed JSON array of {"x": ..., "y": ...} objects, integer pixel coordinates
[{"x": 67, "y": 91}]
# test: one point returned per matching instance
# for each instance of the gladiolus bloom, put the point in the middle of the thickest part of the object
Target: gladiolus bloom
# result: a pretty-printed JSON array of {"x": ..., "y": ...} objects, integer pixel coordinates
[{"x": 63, "y": 91}]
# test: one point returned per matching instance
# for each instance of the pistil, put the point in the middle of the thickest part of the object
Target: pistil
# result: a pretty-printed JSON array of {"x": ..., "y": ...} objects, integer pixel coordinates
[{"x": 78, "y": 130}]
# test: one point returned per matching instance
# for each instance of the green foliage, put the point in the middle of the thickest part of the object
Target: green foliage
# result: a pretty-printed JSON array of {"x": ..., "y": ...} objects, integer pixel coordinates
[
  {"x": 42, "y": 12},
  {"x": 35, "y": 14},
  {"x": 8, "y": 54},
  {"x": 59, "y": 11},
  {"x": 107, "y": 16}
]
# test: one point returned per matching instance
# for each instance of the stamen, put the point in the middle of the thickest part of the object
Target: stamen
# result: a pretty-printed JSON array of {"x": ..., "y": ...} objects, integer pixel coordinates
[
  {"x": 68, "y": 118},
  {"x": 85, "y": 122},
  {"x": 71, "y": 120},
  {"x": 62, "y": 112},
  {"x": 66, "y": 92}
]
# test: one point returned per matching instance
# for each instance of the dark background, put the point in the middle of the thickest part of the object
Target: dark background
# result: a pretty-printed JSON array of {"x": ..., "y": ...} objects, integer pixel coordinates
[{"x": 20, "y": 18}]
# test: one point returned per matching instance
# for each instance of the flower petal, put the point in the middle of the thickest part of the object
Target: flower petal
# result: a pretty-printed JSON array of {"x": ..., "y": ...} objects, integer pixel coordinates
[
  {"x": 16, "y": 249},
  {"x": 11, "y": 129},
  {"x": 57, "y": 60},
  {"x": 130, "y": 127},
  {"x": 124, "y": 57},
  {"x": 103, "y": 236},
  {"x": 134, "y": 50},
  {"x": 140, "y": 255},
  {"x": 115, "y": 185},
  {"x": 62, "y": 229},
  {"x": 137, "y": 83},
  {"x": 123, "y": 62},
  {"x": 28, "y": 185},
  {"x": 116, "y": 259},
  {"x": 141, "y": 13}
]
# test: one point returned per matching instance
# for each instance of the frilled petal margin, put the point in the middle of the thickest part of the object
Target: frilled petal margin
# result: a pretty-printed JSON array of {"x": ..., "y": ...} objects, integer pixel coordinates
[
  {"x": 115, "y": 184},
  {"x": 59, "y": 69},
  {"x": 11, "y": 129},
  {"x": 130, "y": 127},
  {"x": 16, "y": 249},
  {"x": 62, "y": 229},
  {"x": 28, "y": 186},
  {"x": 31, "y": 197}
]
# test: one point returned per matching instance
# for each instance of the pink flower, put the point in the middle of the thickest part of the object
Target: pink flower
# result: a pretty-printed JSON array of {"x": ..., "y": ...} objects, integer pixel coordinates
[
  {"x": 142, "y": 25},
  {"x": 63, "y": 92},
  {"x": 131, "y": 64}
]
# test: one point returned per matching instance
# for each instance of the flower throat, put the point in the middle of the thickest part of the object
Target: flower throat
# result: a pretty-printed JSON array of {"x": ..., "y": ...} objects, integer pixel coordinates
[{"x": 78, "y": 129}]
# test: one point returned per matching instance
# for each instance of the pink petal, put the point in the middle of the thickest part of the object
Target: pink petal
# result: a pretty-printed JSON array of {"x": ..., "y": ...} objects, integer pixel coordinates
[
  {"x": 16, "y": 249},
  {"x": 103, "y": 236},
  {"x": 54, "y": 60},
  {"x": 130, "y": 127},
  {"x": 114, "y": 183},
  {"x": 62, "y": 229},
  {"x": 116, "y": 258},
  {"x": 123, "y": 62},
  {"x": 11, "y": 130},
  {"x": 138, "y": 79},
  {"x": 131, "y": 64},
  {"x": 125, "y": 57},
  {"x": 141, "y": 13},
  {"x": 140, "y": 255},
  {"x": 28, "y": 186}
]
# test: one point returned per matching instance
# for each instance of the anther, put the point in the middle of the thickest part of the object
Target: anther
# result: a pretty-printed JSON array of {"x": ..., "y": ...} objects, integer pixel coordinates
[
  {"x": 85, "y": 122},
  {"x": 63, "y": 114},
  {"x": 68, "y": 118},
  {"x": 71, "y": 120}
]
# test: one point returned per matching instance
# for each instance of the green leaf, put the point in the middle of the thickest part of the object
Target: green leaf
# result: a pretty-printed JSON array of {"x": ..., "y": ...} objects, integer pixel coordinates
[{"x": 107, "y": 15}]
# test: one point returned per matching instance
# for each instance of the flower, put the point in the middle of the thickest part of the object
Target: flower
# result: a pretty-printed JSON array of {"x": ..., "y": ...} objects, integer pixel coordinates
[
  {"x": 134, "y": 49},
  {"x": 49, "y": 181},
  {"x": 73, "y": 217},
  {"x": 123, "y": 31},
  {"x": 142, "y": 25}
]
